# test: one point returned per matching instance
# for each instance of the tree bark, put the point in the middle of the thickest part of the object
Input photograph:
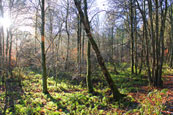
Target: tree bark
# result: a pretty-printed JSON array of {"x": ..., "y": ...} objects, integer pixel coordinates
[
  {"x": 155, "y": 69},
  {"x": 1, "y": 38},
  {"x": 88, "y": 77},
  {"x": 79, "y": 45},
  {"x": 152, "y": 38},
  {"x": 83, "y": 47},
  {"x": 132, "y": 35},
  {"x": 84, "y": 19},
  {"x": 68, "y": 36},
  {"x": 10, "y": 49},
  {"x": 136, "y": 44},
  {"x": 162, "y": 30},
  {"x": 44, "y": 74},
  {"x": 171, "y": 37},
  {"x": 144, "y": 19}
]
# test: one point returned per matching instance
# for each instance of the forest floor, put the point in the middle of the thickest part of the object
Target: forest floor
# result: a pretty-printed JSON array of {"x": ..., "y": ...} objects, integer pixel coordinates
[
  {"x": 168, "y": 83},
  {"x": 167, "y": 101},
  {"x": 24, "y": 97}
]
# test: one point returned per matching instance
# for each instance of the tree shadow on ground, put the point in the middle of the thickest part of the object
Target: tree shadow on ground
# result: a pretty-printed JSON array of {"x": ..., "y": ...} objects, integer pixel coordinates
[
  {"x": 59, "y": 105},
  {"x": 13, "y": 92},
  {"x": 127, "y": 104}
]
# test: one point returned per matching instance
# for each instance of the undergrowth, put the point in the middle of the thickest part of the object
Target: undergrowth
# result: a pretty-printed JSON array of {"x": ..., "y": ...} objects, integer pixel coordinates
[{"x": 69, "y": 99}]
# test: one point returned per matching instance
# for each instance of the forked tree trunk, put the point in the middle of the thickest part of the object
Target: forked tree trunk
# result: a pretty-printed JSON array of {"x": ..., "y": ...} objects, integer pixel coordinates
[
  {"x": 116, "y": 94},
  {"x": 162, "y": 30},
  {"x": 143, "y": 13}
]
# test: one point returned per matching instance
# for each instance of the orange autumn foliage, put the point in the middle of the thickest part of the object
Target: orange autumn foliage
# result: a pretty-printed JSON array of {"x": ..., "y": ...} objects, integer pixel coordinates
[{"x": 166, "y": 52}]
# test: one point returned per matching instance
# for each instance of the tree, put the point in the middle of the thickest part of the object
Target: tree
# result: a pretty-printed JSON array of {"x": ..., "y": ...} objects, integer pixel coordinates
[
  {"x": 1, "y": 39},
  {"x": 44, "y": 74},
  {"x": 145, "y": 32},
  {"x": 116, "y": 94},
  {"x": 132, "y": 33},
  {"x": 68, "y": 34},
  {"x": 171, "y": 35},
  {"x": 156, "y": 36},
  {"x": 88, "y": 77}
]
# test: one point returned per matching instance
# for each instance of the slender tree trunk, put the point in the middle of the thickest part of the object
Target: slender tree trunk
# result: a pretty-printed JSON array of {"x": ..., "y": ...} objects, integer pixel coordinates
[
  {"x": 0, "y": 49},
  {"x": 143, "y": 13},
  {"x": 68, "y": 36},
  {"x": 36, "y": 25},
  {"x": 152, "y": 37},
  {"x": 112, "y": 42},
  {"x": 16, "y": 51},
  {"x": 51, "y": 41},
  {"x": 132, "y": 35},
  {"x": 155, "y": 69},
  {"x": 44, "y": 74},
  {"x": 171, "y": 37},
  {"x": 136, "y": 46},
  {"x": 67, "y": 52},
  {"x": 83, "y": 47},
  {"x": 1, "y": 37},
  {"x": 10, "y": 49},
  {"x": 142, "y": 51},
  {"x": 122, "y": 48},
  {"x": 88, "y": 78},
  {"x": 7, "y": 47},
  {"x": 3, "y": 48},
  {"x": 84, "y": 19},
  {"x": 162, "y": 30},
  {"x": 79, "y": 45}
]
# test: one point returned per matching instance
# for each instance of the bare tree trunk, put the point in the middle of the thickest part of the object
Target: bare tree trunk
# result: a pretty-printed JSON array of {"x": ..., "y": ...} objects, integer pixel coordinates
[
  {"x": 79, "y": 45},
  {"x": 84, "y": 19},
  {"x": 143, "y": 13},
  {"x": 88, "y": 78},
  {"x": 132, "y": 34},
  {"x": 10, "y": 49},
  {"x": 2, "y": 45},
  {"x": 16, "y": 51},
  {"x": 155, "y": 69},
  {"x": 1, "y": 38},
  {"x": 0, "y": 49},
  {"x": 142, "y": 51},
  {"x": 68, "y": 36},
  {"x": 83, "y": 47},
  {"x": 152, "y": 37},
  {"x": 136, "y": 46},
  {"x": 7, "y": 47},
  {"x": 36, "y": 25},
  {"x": 112, "y": 42},
  {"x": 44, "y": 74},
  {"x": 171, "y": 37},
  {"x": 122, "y": 46},
  {"x": 162, "y": 30}
]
